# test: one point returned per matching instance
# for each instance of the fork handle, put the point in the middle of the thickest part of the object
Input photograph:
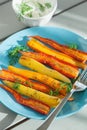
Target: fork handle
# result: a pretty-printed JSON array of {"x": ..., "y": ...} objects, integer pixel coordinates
[{"x": 54, "y": 113}]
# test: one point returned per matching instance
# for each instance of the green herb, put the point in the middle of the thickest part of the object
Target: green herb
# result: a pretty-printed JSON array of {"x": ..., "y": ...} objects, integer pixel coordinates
[
  {"x": 41, "y": 7},
  {"x": 69, "y": 86},
  {"x": 73, "y": 80},
  {"x": 54, "y": 93},
  {"x": 30, "y": 14},
  {"x": 25, "y": 8},
  {"x": 63, "y": 84},
  {"x": 48, "y": 5},
  {"x": 28, "y": 83},
  {"x": 14, "y": 54},
  {"x": 20, "y": 18},
  {"x": 73, "y": 46},
  {"x": 16, "y": 85},
  {"x": 51, "y": 92}
]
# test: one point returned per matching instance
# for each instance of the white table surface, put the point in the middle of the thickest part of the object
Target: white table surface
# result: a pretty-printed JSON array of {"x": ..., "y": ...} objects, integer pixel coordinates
[{"x": 74, "y": 19}]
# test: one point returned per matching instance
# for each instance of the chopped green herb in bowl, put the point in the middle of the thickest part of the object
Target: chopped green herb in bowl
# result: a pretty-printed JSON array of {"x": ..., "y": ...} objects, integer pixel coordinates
[{"x": 34, "y": 12}]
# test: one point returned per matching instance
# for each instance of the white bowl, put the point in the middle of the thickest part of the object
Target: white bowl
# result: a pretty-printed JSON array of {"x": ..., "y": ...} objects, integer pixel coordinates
[{"x": 39, "y": 21}]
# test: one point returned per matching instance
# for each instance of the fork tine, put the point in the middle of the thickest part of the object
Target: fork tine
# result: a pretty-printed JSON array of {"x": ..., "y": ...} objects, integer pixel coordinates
[
  {"x": 83, "y": 77},
  {"x": 84, "y": 80}
]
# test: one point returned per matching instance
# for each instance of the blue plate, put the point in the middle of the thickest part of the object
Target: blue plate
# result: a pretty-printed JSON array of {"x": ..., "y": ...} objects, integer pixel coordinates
[{"x": 58, "y": 34}]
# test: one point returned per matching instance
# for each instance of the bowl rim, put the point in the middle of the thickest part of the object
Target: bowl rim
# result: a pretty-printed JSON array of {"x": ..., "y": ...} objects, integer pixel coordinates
[{"x": 38, "y": 18}]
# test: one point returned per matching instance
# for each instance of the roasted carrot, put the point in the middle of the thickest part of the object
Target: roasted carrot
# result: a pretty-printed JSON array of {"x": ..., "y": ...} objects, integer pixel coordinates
[
  {"x": 39, "y": 47},
  {"x": 69, "y": 71},
  {"x": 75, "y": 53},
  {"x": 34, "y": 104},
  {"x": 51, "y": 101},
  {"x": 53, "y": 83},
  {"x": 39, "y": 67},
  {"x": 7, "y": 75}
]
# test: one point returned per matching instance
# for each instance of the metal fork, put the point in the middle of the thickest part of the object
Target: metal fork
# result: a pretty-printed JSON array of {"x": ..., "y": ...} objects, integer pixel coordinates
[{"x": 79, "y": 85}]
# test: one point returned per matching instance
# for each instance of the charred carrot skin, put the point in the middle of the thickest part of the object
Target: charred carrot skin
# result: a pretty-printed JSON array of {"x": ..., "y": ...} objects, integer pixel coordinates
[
  {"x": 75, "y": 53},
  {"x": 7, "y": 75},
  {"x": 52, "y": 83},
  {"x": 34, "y": 104},
  {"x": 40, "y": 47},
  {"x": 41, "y": 68},
  {"x": 69, "y": 71},
  {"x": 51, "y": 101}
]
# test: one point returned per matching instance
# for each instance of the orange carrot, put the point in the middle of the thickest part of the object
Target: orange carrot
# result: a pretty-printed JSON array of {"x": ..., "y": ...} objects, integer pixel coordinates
[
  {"x": 40, "y": 47},
  {"x": 69, "y": 71},
  {"x": 53, "y": 83},
  {"x": 34, "y": 104},
  {"x": 75, "y": 53},
  {"x": 51, "y": 101},
  {"x": 7, "y": 75}
]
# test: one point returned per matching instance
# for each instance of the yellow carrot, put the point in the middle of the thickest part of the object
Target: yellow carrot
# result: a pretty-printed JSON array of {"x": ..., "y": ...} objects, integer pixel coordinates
[
  {"x": 34, "y": 104},
  {"x": 32, "y": 93},
  {"x": 75, "y": 53},
  {"x": 7, "y": 75},
  {"x": 37, "y": 66},
  {"x": 38, "y": 46},
  {"x": 65, "y": 69},
  {"x": 53, "y": 83}
]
